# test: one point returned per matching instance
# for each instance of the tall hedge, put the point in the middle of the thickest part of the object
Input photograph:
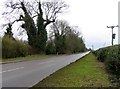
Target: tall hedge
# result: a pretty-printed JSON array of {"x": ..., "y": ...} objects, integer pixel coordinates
[
  {"x": 112, "y": 65},
  {"x": 12, "y": 48},
  {"x": 111, "y": 57}
]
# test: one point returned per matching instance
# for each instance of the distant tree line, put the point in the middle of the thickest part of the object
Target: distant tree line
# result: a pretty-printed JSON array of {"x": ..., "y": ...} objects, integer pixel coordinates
[{"x": 64, "y": 39}]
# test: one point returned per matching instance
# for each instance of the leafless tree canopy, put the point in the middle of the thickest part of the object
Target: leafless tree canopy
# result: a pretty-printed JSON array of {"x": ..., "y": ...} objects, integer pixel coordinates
[
  {"x": 61, "y": 28},
  {"x": 50, "y": 9}
]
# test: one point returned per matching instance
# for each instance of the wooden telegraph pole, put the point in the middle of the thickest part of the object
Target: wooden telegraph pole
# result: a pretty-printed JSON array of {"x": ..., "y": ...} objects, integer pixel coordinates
[{"x": 113, "y": 35}]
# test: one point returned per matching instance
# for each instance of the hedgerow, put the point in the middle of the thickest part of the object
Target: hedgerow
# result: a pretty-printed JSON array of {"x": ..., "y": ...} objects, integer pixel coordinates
[
  {"x": 111, "y": 57},
  {"x": 12, "y": 48}
]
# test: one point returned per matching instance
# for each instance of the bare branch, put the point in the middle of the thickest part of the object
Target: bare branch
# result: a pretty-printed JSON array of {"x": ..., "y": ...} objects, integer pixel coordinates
[{"x": 53, "y": 8}]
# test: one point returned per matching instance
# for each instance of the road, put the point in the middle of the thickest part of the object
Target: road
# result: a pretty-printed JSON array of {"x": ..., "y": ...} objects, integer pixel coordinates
[{"x": 28, "y": 73}]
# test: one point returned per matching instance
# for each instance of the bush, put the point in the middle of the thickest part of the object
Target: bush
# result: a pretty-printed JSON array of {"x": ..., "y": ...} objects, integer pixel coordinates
[
  {"x": 50, "y": 48},
  {"x": 111, "y": 57},
  {"x": 102, "y": 54},
  {"x": 112, "y": 61},
  {"x": 22, "y": 49},
  {"x": 12, "y": 48},
  {"x": 112, "y": 65}
]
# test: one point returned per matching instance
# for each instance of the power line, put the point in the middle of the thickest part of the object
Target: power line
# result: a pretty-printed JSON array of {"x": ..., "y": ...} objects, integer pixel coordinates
[{"x": 105, "y": 41}]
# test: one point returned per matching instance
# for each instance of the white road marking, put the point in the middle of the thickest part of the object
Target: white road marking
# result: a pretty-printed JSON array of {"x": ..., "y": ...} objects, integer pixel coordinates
[
  {"x": 45, "y": 62},
  {"x": 23, "y": 67},
  {"x": 12, "y": 70}
]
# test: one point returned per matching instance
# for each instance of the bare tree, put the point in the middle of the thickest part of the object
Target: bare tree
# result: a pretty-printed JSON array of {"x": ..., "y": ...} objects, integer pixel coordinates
[
  {"x": 67, "y": 39},
  {"x": 52, "y": 9},
  {"x": 58, "y": 31},
  {"x": 59, "y": 28}
]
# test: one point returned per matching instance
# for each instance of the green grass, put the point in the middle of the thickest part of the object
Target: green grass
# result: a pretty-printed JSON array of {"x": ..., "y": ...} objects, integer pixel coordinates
[
  {"x": 29, "y": 57},
  {"x": 87, "y": 72}
]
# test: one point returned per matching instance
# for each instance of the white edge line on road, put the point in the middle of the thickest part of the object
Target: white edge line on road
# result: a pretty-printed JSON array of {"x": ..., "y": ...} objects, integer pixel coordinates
[{"x": 12, "y": 70}]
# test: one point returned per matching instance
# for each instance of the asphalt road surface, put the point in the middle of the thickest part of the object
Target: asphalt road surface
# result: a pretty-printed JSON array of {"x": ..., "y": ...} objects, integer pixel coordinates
[{"x": 28, "y": 73}]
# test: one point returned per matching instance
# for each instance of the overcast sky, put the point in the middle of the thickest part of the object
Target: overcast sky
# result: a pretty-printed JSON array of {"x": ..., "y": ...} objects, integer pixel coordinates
[{"x": 92, "y": 17}]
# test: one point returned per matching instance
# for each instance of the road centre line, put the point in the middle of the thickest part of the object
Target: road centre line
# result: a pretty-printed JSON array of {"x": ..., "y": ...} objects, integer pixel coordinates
[
  {"x": 23, "y": 67},
  {"x": 45, "y": 62},
  {"x": 11, "y": 70}
]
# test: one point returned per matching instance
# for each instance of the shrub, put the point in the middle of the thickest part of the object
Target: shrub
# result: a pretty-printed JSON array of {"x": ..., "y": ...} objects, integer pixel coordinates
[
  {"x": 50, "y": 48},
  {"x": 22, "y": 49},
  {"x": 101, "y": 54},
  {"x": 112, "y": 65},
  {"x": 12, "y": 48},
  {"x": 111, "y": 57},
  {"x": 8, "y": 47}
]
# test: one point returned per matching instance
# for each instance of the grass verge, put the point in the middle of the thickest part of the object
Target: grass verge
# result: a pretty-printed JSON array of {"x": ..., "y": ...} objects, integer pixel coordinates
[
  {"x": 29, "y": 57},
  {"x": 87, "y": 72}
]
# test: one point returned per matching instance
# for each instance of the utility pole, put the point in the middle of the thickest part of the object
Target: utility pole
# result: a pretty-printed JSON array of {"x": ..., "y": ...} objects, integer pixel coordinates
[
  {"x": 92, "y": 47},
  {"x": 113, "y": 35}
]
